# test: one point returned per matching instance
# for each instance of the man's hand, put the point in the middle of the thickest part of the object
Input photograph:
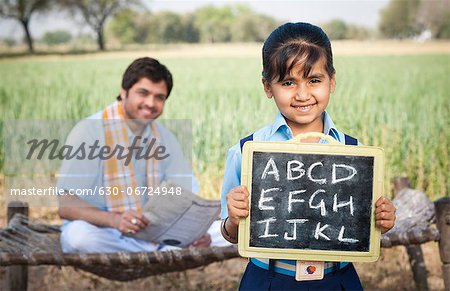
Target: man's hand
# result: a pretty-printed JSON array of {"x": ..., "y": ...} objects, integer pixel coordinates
[
  {"x": 204, "y": 241},
  {"x": 384, "y": 214},
  {"x": 130, "y": 221}
]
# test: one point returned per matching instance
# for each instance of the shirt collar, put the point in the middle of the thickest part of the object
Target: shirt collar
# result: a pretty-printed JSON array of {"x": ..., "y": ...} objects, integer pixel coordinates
[
  {"x": 145, "y": 133},
  {"x": 328, "y": 124},
  {"x": 280, "y": 121}
]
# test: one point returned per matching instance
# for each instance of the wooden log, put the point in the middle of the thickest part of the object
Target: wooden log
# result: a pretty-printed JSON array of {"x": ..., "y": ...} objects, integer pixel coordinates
[
  {"x": 16, "y": 277},
  {"x": 442, "y": 207},
  {"x": 415, "y": 253},
  {"x": 125, "y": 266},
  {"x": 412, "y": 237}
]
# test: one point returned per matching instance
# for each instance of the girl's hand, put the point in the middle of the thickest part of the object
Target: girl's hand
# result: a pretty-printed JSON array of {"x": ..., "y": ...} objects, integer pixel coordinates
[
  {"x": 237, "y": 202},
  {"x": 384, "y": 214}
]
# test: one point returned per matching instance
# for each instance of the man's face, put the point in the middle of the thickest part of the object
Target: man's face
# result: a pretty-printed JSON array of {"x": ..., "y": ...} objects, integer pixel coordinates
[{"x": 145, "y": 100}]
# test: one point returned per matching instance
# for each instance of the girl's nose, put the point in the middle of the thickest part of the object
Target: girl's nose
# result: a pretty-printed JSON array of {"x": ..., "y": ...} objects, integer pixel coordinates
[{"x": 302, "y": 94}]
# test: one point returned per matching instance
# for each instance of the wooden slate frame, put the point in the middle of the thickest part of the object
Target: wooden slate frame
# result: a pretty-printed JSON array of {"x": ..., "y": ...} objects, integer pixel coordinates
[{"x": 333, "y": 148}]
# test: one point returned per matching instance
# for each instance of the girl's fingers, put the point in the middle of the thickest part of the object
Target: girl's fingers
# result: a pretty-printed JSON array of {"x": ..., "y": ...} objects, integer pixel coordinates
[
  {"x": 385, "y": 216},
  {"x": 385, "y": 225},
  {"x": 241, "y": 189},
  {"x": 381, "y": 200},
  {"x": 240, "y": 204},
  {"x": 239, "y": 196},
  {"x": 238, "y": 213},
  {"x": 385, "y": 207}
]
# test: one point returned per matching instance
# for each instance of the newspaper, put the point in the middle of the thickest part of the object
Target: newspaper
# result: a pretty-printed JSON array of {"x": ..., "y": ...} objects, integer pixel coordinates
[{"x": 177, "y": 220}]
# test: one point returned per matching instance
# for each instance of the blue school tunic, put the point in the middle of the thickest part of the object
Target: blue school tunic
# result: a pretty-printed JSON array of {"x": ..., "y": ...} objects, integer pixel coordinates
[{"x": 261, "y": 273}]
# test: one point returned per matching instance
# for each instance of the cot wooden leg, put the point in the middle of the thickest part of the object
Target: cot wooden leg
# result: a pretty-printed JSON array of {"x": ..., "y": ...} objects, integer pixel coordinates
[
  {"x": 16, "y": 277},
  {"x": 415, "y": 253},
  {"x": 442, "y": 207}
]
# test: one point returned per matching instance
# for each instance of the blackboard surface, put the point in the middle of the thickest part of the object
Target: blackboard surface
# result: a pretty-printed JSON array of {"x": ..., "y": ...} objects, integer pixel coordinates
[{"x": 311, "y": 201}]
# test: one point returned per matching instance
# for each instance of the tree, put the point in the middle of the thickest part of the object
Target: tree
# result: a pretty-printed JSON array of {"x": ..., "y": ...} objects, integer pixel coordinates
[
  {"x": 190, "y": 32},
  {"x": 214, "y": 23},
  {"x": 252, "y": 27},
  {"x": 22, "y": 10},
  {"x": 355, "y": 31},
  {"x": 400, "y": 19},
  {"x": 335, "y": 29},
  {"x": 169, "y": 27},
  {"x": 123, "y": 26},
  {"x": 436, "y": 17},
  {"x": 96, "y": 12},
  {"x": 56, "y": 37}
]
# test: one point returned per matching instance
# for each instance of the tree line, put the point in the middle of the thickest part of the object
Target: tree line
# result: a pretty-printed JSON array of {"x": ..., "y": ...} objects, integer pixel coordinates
[
  {"x": 127, "y": 21},
  {"x": 237, "y": 23}
]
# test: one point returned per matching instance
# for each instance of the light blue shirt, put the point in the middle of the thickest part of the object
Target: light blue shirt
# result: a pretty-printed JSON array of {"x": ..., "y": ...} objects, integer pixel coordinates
[
  {"x": 277, "y": 131},
  {"x": 88, "y": 173}
]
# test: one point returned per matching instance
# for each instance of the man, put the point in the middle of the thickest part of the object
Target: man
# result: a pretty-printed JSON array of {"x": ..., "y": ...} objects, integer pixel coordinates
[{"x": 97, "y": 222}]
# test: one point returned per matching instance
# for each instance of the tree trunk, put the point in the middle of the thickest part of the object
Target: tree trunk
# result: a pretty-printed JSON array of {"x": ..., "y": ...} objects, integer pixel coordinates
[
  {"x": 100, "y": 39},
  {"x": 28, "y": 35}
]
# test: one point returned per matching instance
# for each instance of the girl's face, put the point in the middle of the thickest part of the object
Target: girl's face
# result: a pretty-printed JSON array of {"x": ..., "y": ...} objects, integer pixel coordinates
[{"x": 303, "y": 100}]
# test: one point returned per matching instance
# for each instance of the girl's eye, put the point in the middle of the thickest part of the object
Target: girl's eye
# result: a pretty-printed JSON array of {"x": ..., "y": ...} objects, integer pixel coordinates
[
  {"x": 314, "y": 81},
  {"x": 287, "y": 83}
]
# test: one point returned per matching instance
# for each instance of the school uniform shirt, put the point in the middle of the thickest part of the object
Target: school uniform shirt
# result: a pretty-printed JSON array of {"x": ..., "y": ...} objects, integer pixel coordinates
[{"x": 277, "y": 131}]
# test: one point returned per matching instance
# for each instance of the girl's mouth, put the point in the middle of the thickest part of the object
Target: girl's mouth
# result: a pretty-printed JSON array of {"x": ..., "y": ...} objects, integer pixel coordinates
[{"x": 305, "y": 108}]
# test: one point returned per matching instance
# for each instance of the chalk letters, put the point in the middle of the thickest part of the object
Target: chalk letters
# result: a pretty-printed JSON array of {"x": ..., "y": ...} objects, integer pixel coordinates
[
  {"x": 336, "y": 205},
  {"x": 266, "y": 230},
  {"x": 297, "y": 202},
  {"x": 274, "y": 171},
  {"x": 318, "y": 233},
  {"x": 263, "y": 199},
  {"x": 320, "y": 181},
  {"x": 335, "y": 180},
  {"x": 294, "y": 235},
  {"x": 321, "y": 205},
  {"x": 292, "y": 200},
  {"x": 298, "y": 168}
]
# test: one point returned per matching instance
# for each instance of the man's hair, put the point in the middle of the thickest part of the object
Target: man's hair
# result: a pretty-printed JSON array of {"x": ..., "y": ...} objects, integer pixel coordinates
[{"x": 146, "y": 68}]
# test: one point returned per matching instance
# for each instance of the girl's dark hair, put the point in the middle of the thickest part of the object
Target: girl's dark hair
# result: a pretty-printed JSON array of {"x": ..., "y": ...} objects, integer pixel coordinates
[
  {"x": 300, "y": 41},
  {"x": 146, "y": 68}
]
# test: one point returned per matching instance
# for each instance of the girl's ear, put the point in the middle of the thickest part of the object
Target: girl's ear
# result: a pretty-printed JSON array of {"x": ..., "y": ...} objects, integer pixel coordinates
[
  {"x": 333, "y": 83},
  {"x": 267, "y": 88}
]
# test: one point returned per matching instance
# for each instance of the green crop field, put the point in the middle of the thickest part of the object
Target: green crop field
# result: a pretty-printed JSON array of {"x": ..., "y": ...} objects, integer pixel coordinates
[{"x": 400, "y": 103}]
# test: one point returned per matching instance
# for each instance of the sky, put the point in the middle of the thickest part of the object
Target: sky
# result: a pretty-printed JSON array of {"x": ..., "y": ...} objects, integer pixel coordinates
[{"x": 362, "y": 12}]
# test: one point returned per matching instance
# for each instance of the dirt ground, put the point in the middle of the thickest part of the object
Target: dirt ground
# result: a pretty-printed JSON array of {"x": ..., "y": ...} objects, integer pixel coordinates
[{"x": 241, "y": 50}]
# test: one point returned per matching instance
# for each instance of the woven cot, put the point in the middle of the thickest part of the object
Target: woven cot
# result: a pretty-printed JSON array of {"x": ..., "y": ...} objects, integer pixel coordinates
[{"x": 24, "y": 242}]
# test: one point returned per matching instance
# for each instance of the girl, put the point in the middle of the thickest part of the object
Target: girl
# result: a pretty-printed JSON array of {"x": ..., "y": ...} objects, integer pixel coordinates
[{"x": 298, "y": 74}]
